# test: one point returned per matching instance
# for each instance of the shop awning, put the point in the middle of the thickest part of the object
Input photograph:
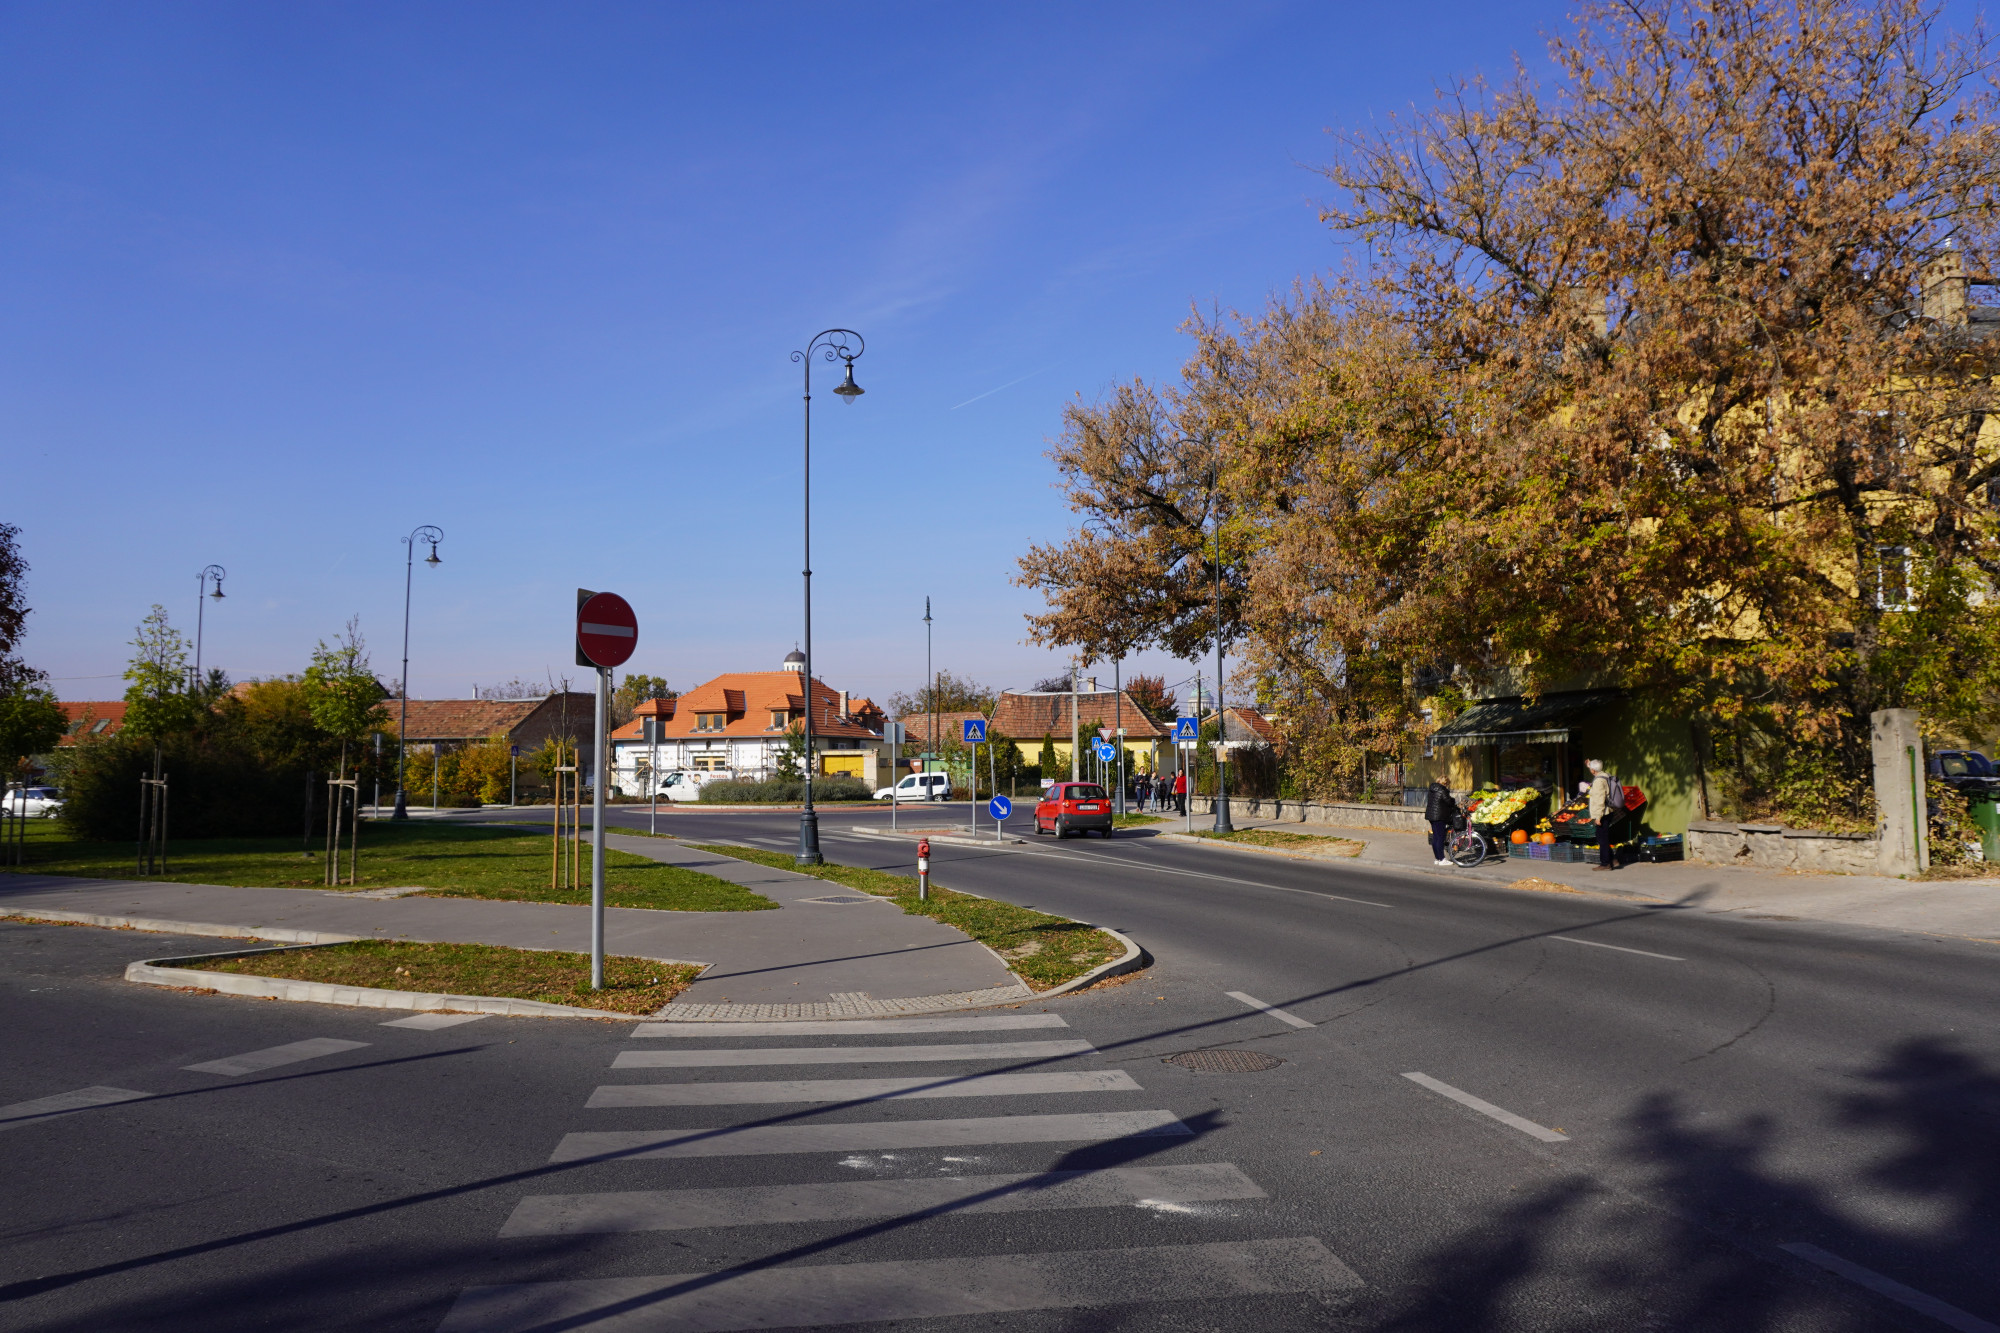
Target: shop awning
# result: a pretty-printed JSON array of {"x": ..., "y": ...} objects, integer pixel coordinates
[{"x": 1517, "y": 722}]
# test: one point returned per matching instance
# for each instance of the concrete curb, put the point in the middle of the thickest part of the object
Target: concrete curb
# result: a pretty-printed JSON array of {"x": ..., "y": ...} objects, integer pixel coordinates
[
  {"x": 170, "y": 972},
  {"x": 183, "y": 927},
  {"x": 882, "y": 835},
  {"x": 1134, "y": 959}
]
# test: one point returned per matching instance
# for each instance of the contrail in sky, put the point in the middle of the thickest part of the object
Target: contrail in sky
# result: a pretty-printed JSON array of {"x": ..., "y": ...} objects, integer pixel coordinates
[{"x": 990, "y": 392}]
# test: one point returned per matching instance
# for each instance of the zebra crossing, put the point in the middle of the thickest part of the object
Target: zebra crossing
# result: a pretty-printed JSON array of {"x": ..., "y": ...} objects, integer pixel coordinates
[{"x": 837, "y": 1127}]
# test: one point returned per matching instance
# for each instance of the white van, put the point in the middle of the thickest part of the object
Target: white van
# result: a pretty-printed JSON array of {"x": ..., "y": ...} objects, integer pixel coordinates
[
  {"x": 685, "y": 784},
  {"x": 919, "y": 787}
]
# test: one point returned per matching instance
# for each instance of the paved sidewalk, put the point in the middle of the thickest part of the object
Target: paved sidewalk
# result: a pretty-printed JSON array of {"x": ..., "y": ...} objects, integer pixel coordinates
[
  {"x": 849, "y": 957},
  {"x": 1969, "y": 908}
]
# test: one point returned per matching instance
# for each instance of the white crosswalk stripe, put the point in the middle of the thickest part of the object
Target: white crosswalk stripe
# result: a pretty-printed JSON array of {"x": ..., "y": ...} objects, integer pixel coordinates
[
  {"x": 779, "y": 1293},
  {"x": 271, "y": 1057}
]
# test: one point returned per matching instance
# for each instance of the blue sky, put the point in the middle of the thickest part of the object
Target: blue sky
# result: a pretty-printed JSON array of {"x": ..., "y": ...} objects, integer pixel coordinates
[{"x": 284, "y": 281}]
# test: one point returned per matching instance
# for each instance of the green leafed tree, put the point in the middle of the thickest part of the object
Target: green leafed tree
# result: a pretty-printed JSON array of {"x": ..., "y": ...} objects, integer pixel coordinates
[
  {"x": 341, "y": 690},
  {"x": 157, "y": 702},
  {"x": 31, "y": 722}
]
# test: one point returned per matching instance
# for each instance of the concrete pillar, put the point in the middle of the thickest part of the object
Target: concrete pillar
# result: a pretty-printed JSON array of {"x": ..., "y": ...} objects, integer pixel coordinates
[{"x": 1901, "y": 822}]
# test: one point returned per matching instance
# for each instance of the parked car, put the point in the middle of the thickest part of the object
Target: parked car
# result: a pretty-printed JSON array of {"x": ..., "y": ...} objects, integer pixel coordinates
[
  {"x": 919, "y": 787},
  {"x": 34, "y": 802},
  {"x": 1074, "y": 807},
  {"x": 1967, "y": 770}
]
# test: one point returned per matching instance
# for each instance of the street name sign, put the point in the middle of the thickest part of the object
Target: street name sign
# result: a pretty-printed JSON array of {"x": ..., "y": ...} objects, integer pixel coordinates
[{"x": 607, "y": 630}]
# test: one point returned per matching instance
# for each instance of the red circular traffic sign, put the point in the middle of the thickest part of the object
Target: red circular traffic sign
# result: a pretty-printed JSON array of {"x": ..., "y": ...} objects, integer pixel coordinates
[{"x": 606, "y": 629}]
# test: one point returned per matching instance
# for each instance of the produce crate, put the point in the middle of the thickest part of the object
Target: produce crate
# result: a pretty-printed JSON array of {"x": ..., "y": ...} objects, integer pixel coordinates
[
  {"x": 1570, "y": 853},
  {"x": 1541, "y": 851},
  {"x": 1667, "y": 848}
]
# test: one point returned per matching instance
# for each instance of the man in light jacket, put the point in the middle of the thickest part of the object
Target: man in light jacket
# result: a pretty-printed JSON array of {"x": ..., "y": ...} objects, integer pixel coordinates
[{"x": 1604, "y": 812}]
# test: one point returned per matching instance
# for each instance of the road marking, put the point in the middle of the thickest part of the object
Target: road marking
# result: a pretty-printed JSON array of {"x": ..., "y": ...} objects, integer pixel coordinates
[
  {"x": 1527, "y": 1127},
  {"x": 1643, "y": 953},
  {"x": 273, "y": 1056},
  {"x": 860, "y": 1027},
  {"x": 432, "y": 1022},
  {"x": 846, "y": 1201},
  {"x": 1271, "y": 1009},
  {"x": 856, "y": 1089},
  {"x": 42, "y": 1108},
  {"x": 1948, "y": 1315},
  {"x": 852, "y": 1055},
  {"x": 763, "y": 1140},
  {"x": 817, "y": 1295},
  {"x": 1222, "y": 879}
]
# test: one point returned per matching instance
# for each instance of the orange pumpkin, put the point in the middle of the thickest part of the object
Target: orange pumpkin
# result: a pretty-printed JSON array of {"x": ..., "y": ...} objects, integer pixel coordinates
[{"x": 1520, "y": 836}]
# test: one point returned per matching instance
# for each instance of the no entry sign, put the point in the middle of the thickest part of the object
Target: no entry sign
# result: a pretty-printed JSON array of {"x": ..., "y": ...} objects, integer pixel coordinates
[{"x": 606, "y": 629}]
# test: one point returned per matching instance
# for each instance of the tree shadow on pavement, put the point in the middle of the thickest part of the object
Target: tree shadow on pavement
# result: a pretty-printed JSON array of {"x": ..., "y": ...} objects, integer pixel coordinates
[{"x": 1679, "y": 1225}]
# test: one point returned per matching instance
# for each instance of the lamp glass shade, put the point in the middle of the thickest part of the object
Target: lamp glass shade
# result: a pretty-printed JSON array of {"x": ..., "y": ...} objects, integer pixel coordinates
[
  {"x": 216, "y": 596},
  {"x": 432, "y": 558},
  {"x": 847, "y": 388}
]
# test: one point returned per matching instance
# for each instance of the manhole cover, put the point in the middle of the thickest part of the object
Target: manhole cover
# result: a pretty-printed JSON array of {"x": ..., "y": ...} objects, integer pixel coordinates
[
  {"x": 840, "y": 898},
  {"x": 1224, "y": 1062}
]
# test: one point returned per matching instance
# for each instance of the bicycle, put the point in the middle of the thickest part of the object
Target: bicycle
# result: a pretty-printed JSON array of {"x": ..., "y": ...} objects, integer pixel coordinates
[{"x": 1468, "y": 846}]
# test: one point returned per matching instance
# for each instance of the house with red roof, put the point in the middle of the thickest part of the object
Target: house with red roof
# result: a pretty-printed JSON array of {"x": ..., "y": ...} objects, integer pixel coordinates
[{"x": 741, "y": 722}]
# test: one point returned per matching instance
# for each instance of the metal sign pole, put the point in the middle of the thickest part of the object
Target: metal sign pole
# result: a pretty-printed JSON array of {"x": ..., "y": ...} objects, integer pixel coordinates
[{"x": 597, "y": 834}]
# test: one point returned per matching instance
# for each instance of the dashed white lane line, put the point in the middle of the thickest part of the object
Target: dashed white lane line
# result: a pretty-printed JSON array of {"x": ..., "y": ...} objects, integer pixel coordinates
[
  {"x": 816, "y": 1295},
  {"x": 43, "y": 1108},
  {"x": 432, "y": 1022},
  {"x": 1948, "y": 1315},
  {"x": 852, "y": 1200},
  {"x": 1271, "y": 1009},
  {"x": 1486, "y": 1108},
  {"x": 850, "y": 1055},
  {"x": 271, "y": 1057},
  {"x": 857, "y": 1089},
  {"x": 858, "y": 1027},
  {"x": 870, "y": 1136},
  {"x": 1643, "y": 953}
]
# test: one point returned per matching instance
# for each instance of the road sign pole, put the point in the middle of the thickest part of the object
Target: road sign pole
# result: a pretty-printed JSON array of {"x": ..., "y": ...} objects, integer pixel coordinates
[{"x": 597, "y": 833}]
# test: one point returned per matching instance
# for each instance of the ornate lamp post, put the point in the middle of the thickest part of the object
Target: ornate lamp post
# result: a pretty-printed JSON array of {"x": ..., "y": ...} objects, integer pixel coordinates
[
  {"x": 433, "y": 535},
  {"x": 832, "y": 344},
  {"x": 217, "y": 574}
]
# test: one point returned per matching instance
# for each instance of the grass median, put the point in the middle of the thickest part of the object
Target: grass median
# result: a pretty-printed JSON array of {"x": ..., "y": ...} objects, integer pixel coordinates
[
  {"x": 1289, "y": 842},
  {"x": 631, "y": 985},
  {"x": 1043, "y": 950},
  {"x": 444, "y": 860}
]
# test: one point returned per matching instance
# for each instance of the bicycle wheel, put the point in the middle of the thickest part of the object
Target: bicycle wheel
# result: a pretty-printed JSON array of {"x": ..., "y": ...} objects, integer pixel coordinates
[{"x": 1467, "y": 849}]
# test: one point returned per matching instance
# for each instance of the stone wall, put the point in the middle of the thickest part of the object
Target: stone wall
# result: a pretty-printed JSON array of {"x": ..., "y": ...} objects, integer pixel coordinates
[
  {"x": 1394, "y": 818},
  {"x": 1775, "y": 847}
]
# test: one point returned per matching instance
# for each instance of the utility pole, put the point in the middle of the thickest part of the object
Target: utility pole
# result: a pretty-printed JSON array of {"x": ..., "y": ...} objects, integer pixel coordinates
[{"x": 1074, "y": 724}]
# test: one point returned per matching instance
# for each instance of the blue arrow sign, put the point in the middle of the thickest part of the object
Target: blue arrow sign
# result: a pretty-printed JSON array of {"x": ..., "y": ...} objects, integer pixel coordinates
[
  {"x": 999, "y": 807},
  {"x": 1186, "y": 729},
  {"x": 1105, "y": 751},
  {"x": 975, "y": 731}
]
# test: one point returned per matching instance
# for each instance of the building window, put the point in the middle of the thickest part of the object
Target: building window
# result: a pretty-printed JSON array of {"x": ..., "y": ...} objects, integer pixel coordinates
[
  {"x": 710, "y": 721},
  {"x": 1892, "y": 578},
  {"x": 710, "y": 763},
  {"x": 780, "y": 719}
]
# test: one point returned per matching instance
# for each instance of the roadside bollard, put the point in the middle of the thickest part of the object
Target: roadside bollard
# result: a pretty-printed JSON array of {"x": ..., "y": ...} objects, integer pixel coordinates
[{"x": 923, "y": 869}]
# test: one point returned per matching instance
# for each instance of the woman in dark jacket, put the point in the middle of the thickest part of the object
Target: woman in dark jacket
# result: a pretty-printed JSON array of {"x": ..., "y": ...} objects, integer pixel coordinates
[{"x": 1440, "y": 809}]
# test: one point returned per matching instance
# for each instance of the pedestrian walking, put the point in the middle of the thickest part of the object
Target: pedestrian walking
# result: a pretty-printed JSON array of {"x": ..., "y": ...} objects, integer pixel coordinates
[
  {"x": 1145, "y": 786},
  {"x": 1607, "y": 811},
  {"x": 1180, "y": 793},
  {"x": 1440, "y": 809}
]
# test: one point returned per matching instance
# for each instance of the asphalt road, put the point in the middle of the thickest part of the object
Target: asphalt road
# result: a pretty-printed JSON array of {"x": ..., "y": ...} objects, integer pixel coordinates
[{"x": 1623, "y": 1118}]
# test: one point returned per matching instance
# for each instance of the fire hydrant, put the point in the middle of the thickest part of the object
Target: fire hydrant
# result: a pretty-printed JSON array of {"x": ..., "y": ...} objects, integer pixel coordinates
[{"x": 923, "y": 869}]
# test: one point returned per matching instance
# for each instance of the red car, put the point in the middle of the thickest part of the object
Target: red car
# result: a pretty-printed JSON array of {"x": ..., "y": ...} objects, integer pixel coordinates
[{"x": 1069, "y": 807}]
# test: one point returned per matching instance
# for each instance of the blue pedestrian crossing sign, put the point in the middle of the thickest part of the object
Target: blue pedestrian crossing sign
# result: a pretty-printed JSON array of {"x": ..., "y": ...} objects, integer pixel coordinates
[
  {"x": 999, "y": 807},
  {"x": 1186, "y": 729},
  {"x": 975, "y": 731},
  {"x": 1105, "y": 751}
]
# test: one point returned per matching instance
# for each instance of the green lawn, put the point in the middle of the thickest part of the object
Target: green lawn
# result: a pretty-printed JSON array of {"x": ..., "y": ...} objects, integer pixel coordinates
[
  {"x": 448, "y": 860},
  {"x": 1131, "y": 820},
  {"x": 1044, "y": 951},
  {"x": 631, "y": 985}
]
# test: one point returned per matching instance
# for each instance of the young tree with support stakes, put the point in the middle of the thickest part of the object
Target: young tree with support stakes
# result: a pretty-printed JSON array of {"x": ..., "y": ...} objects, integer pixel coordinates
[{"x": 346, "y": 703}]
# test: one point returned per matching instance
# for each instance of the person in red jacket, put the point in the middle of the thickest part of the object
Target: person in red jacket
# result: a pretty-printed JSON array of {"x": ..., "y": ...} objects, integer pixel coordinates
[{"x": 1180, "y": 793}]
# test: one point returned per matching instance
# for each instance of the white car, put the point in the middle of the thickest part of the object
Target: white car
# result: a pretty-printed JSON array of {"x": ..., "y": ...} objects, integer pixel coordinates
[
  {"x": 34, "y": 802},
  {"x": 685, "y": 784},
  {"x": 919, "y": 787}
]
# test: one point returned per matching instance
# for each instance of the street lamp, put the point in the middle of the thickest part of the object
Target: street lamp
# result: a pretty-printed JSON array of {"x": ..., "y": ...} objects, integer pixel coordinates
[
  {"x": 216, "y": 573},
  {"x": 432, "y": 535},
  {"x": 842, "y": 345}
]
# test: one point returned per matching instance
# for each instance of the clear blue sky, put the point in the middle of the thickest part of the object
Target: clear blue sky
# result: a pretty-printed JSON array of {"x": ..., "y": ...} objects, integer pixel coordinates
[{"x": 282, "y": 282}]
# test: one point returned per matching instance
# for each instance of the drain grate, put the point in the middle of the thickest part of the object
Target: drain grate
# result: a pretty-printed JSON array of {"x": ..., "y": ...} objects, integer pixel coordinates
[
  {"x": 840, "y": 898},
  {"x": 1224, "y": 1061}
]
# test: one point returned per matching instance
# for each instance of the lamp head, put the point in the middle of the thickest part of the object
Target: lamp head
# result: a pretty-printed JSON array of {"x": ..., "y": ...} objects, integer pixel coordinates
[
  {"x": 216, "y": 596},
  {"x": 847, "y": 388},
  {"x": 432, "y": 558}
]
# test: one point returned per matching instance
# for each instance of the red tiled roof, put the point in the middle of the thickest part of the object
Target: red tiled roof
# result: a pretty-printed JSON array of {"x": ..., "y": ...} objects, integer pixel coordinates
[
  {"x": 1249, "y": 719},
  {"x": 101, "y": 718},
  {"x": 477, "y": 719},
  {"x": 918, "y": 727},
  {"x": 1030, "y": 716},
  {"x": 747, "y": 699}
]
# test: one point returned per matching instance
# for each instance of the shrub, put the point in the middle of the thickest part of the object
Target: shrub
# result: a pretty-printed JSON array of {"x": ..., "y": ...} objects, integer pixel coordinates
[
  {"x": 781, "y": 791},
  {"x": 215, "y": 790}
]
